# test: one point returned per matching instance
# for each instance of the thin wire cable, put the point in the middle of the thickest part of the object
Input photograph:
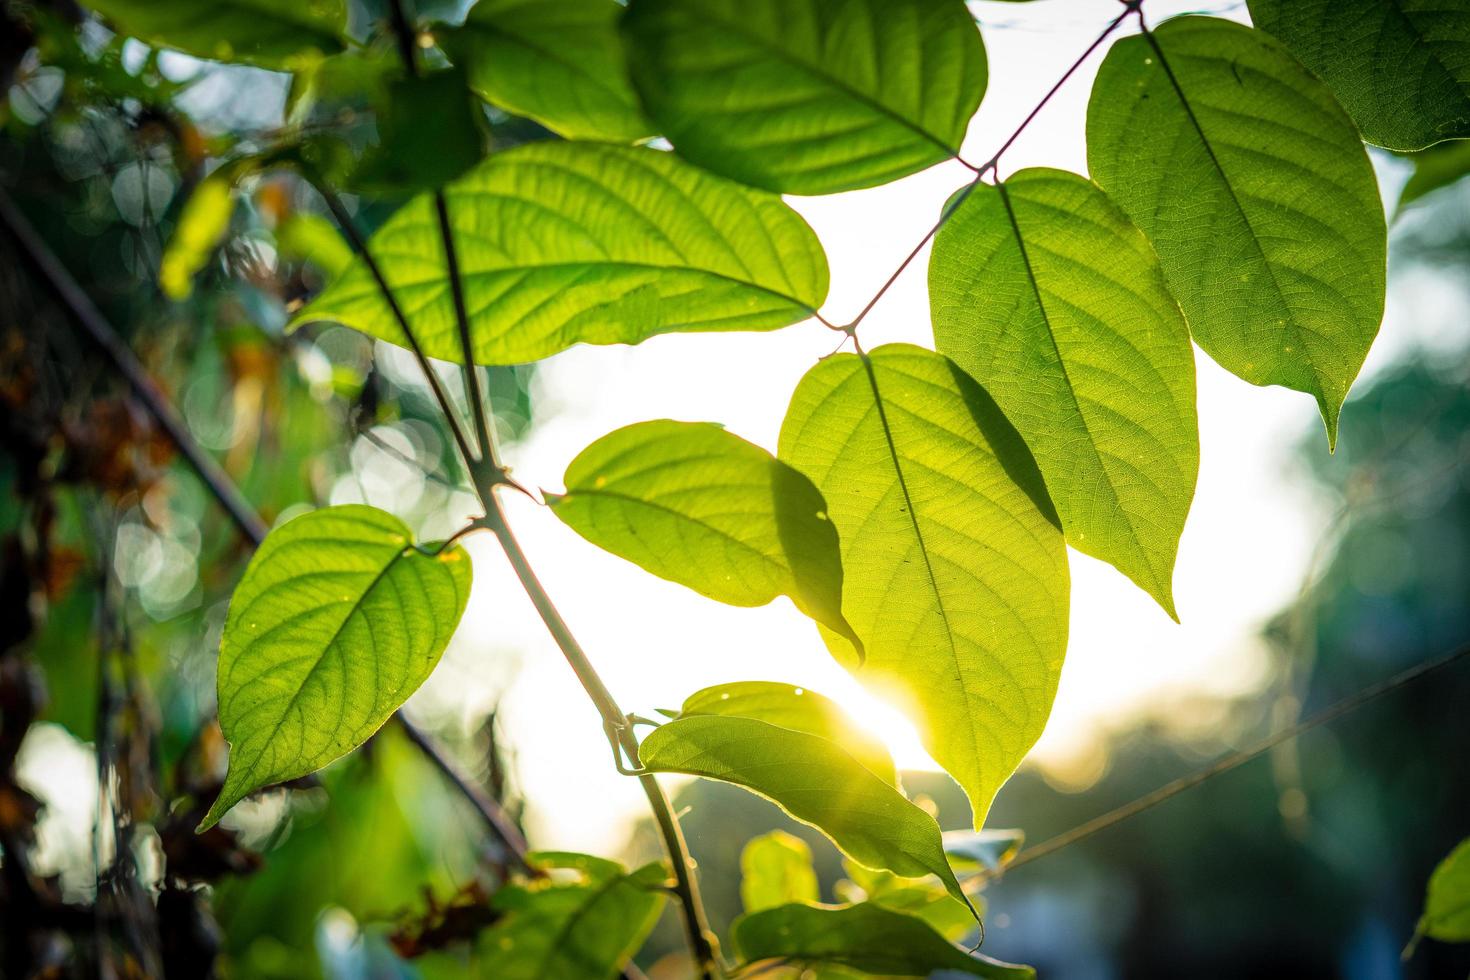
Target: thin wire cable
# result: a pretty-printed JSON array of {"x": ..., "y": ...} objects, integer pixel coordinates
[{"x": 1234, "y": 760}]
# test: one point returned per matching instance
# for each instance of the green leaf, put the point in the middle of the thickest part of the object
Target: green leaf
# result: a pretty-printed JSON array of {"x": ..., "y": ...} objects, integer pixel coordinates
[
  {"x": 311, "y": 238},
  {"x": 808, "y": 96},
  {"x": 203, "y": 223},
  {"x": 430, "y": 130},
  {"x": 955, "y": 575},
  {"x": 1434, "y": 168},
  {"x": 775, "y": 869},
  {"x": 268, "y": 33},
  {"x": 1251, "y": 183},
  {"x": 586, "y": 928},
  {"x": 798, "y": 709},
  {"x": 338, "y": 619},
  {"x": 918, "y": 897},
  {"x": 865, "y": 937},
  {"x": 812, "y": 779},
  {"x": 1401, "y": 68},
  {"x": 1447, "y": 902},
  {"x": 991, "y": 850},
  {"x": 564, "y": 243},
  {"x": 559, "y": 62},
  {"x": 700, "y": 506},
  {"x": 1045, "y": 293}
]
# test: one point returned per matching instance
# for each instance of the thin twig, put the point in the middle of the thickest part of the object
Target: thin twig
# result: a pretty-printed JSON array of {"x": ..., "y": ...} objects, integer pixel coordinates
[
  {"x": 359, "y": 245},
  {"x": 490, "y": 811},
  {"x": 249, "y": 523},
  {"x": 1234, "y": 760},
  {"x": 489, "y": 473},
  {"x": 86, "y": 315},
  {"x": 989, "y": 167}
]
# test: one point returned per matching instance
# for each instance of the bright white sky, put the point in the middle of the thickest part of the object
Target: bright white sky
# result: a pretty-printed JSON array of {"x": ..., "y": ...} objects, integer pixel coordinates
[{"x": 1243, "y": 553}]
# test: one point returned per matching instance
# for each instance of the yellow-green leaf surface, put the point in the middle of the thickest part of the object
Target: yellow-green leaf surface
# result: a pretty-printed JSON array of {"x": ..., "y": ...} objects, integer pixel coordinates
[
  {"x": 798, "y": 709},
  {"x": 588, "y": 927},
  {"x": 1255, "y": 190},
  {"x": 1401, "y": 68},
  {"x": 808, "y": 96},
  {"x": 268, "y": 33},
  {"x": 955, "y": 575},
  {"x": 559, "y": 62},
  {"x": 202, "y": 225},
  {"x": 921, "y": 898},
  {"x": 991, "y": 850},
  {"x": 864, "y": 937},
  {"x": 1045, "y": 293},
  {"x": 700, "y": 506},
  {"x": 776, "y": 869},
  {"x": 1447, "y": 902},
  {"x": 338, "y": 619},
  {"x": 1435, "y": 168},
  {"x": 812, "y": 779},
  {"x": 564, "y": 243}
]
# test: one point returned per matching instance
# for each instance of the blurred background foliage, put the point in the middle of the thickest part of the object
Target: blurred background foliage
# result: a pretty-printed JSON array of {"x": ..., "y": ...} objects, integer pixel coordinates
[{"x": 118, "y": 565}]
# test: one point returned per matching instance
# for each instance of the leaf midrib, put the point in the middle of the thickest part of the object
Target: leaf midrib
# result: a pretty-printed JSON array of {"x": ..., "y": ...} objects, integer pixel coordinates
[
  {"x": 1067, "y": 376},
  {"x": 1255, "y": 240},
  {"x": 328, "y": 645},
  {"x": 820, "y": 72},
  {"x": 908, "y": 502}
]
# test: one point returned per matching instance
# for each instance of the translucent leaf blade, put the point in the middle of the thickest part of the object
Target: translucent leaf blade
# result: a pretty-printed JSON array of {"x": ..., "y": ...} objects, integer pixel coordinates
[
  {"x": 955, "y": 571},
  {"x": 808, "y": 96},
  {"x": 813, "y": 780},
  {"x": 864, "y": 937},
  {"x": 337, "y": 620},
  {"x": 1251, "y": 183},
  {"x": 588, "y": 927},
  {"x": 1046, "y": 293},
  {"x": 1401, "y": 68},
  {"x": 1447, "y": 901},
  {"x": 695, "y": 504},
  {"x": 776, "y": 869},
  {"x": 798, "y": 709},
  {"x": 559, "y": 62},
  {"x": 564, "y": 243},
  {"x": 268, "y": 33}
]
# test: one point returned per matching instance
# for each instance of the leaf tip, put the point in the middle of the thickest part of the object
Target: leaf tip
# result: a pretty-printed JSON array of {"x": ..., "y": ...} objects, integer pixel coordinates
[
  {"x": 222, "y": 804},
  {"x": 1330, "y": 413}
]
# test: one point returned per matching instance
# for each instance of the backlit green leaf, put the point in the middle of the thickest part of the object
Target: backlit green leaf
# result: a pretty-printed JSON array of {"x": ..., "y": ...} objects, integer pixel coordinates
[
  {"x": 812, "y": 779},
  {"x": 921, "y": 898},
  {"x": 991, "y": 850},
  {"x": 430, "y": 130},
  {"x": 798, "y": 709},
  {"x": 1439, "y": 166},
  {"x": 202, "y": 225},
  {"x": 563, "y": 243},
  {"x": 808, "y": 96},
  {"x": 269, "y": 33},
  {"x": 1447, "y": 902},
  {"x": 1251, "y": 183},
  {"x": 1045, "y": 293},
  {"x": 311, "y": 238},
  {"x": 1401, "y": 68},
  {"x": 955, "y": 575},
  {"x": 559, "y": 62},
  {"x": 700, "y": 506},
  {"x": 586, "y": 928},
  {"x": 338, "y": 619},
  {"x": 775, "y": 869},
  {"x": 864, "y": 937}
]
